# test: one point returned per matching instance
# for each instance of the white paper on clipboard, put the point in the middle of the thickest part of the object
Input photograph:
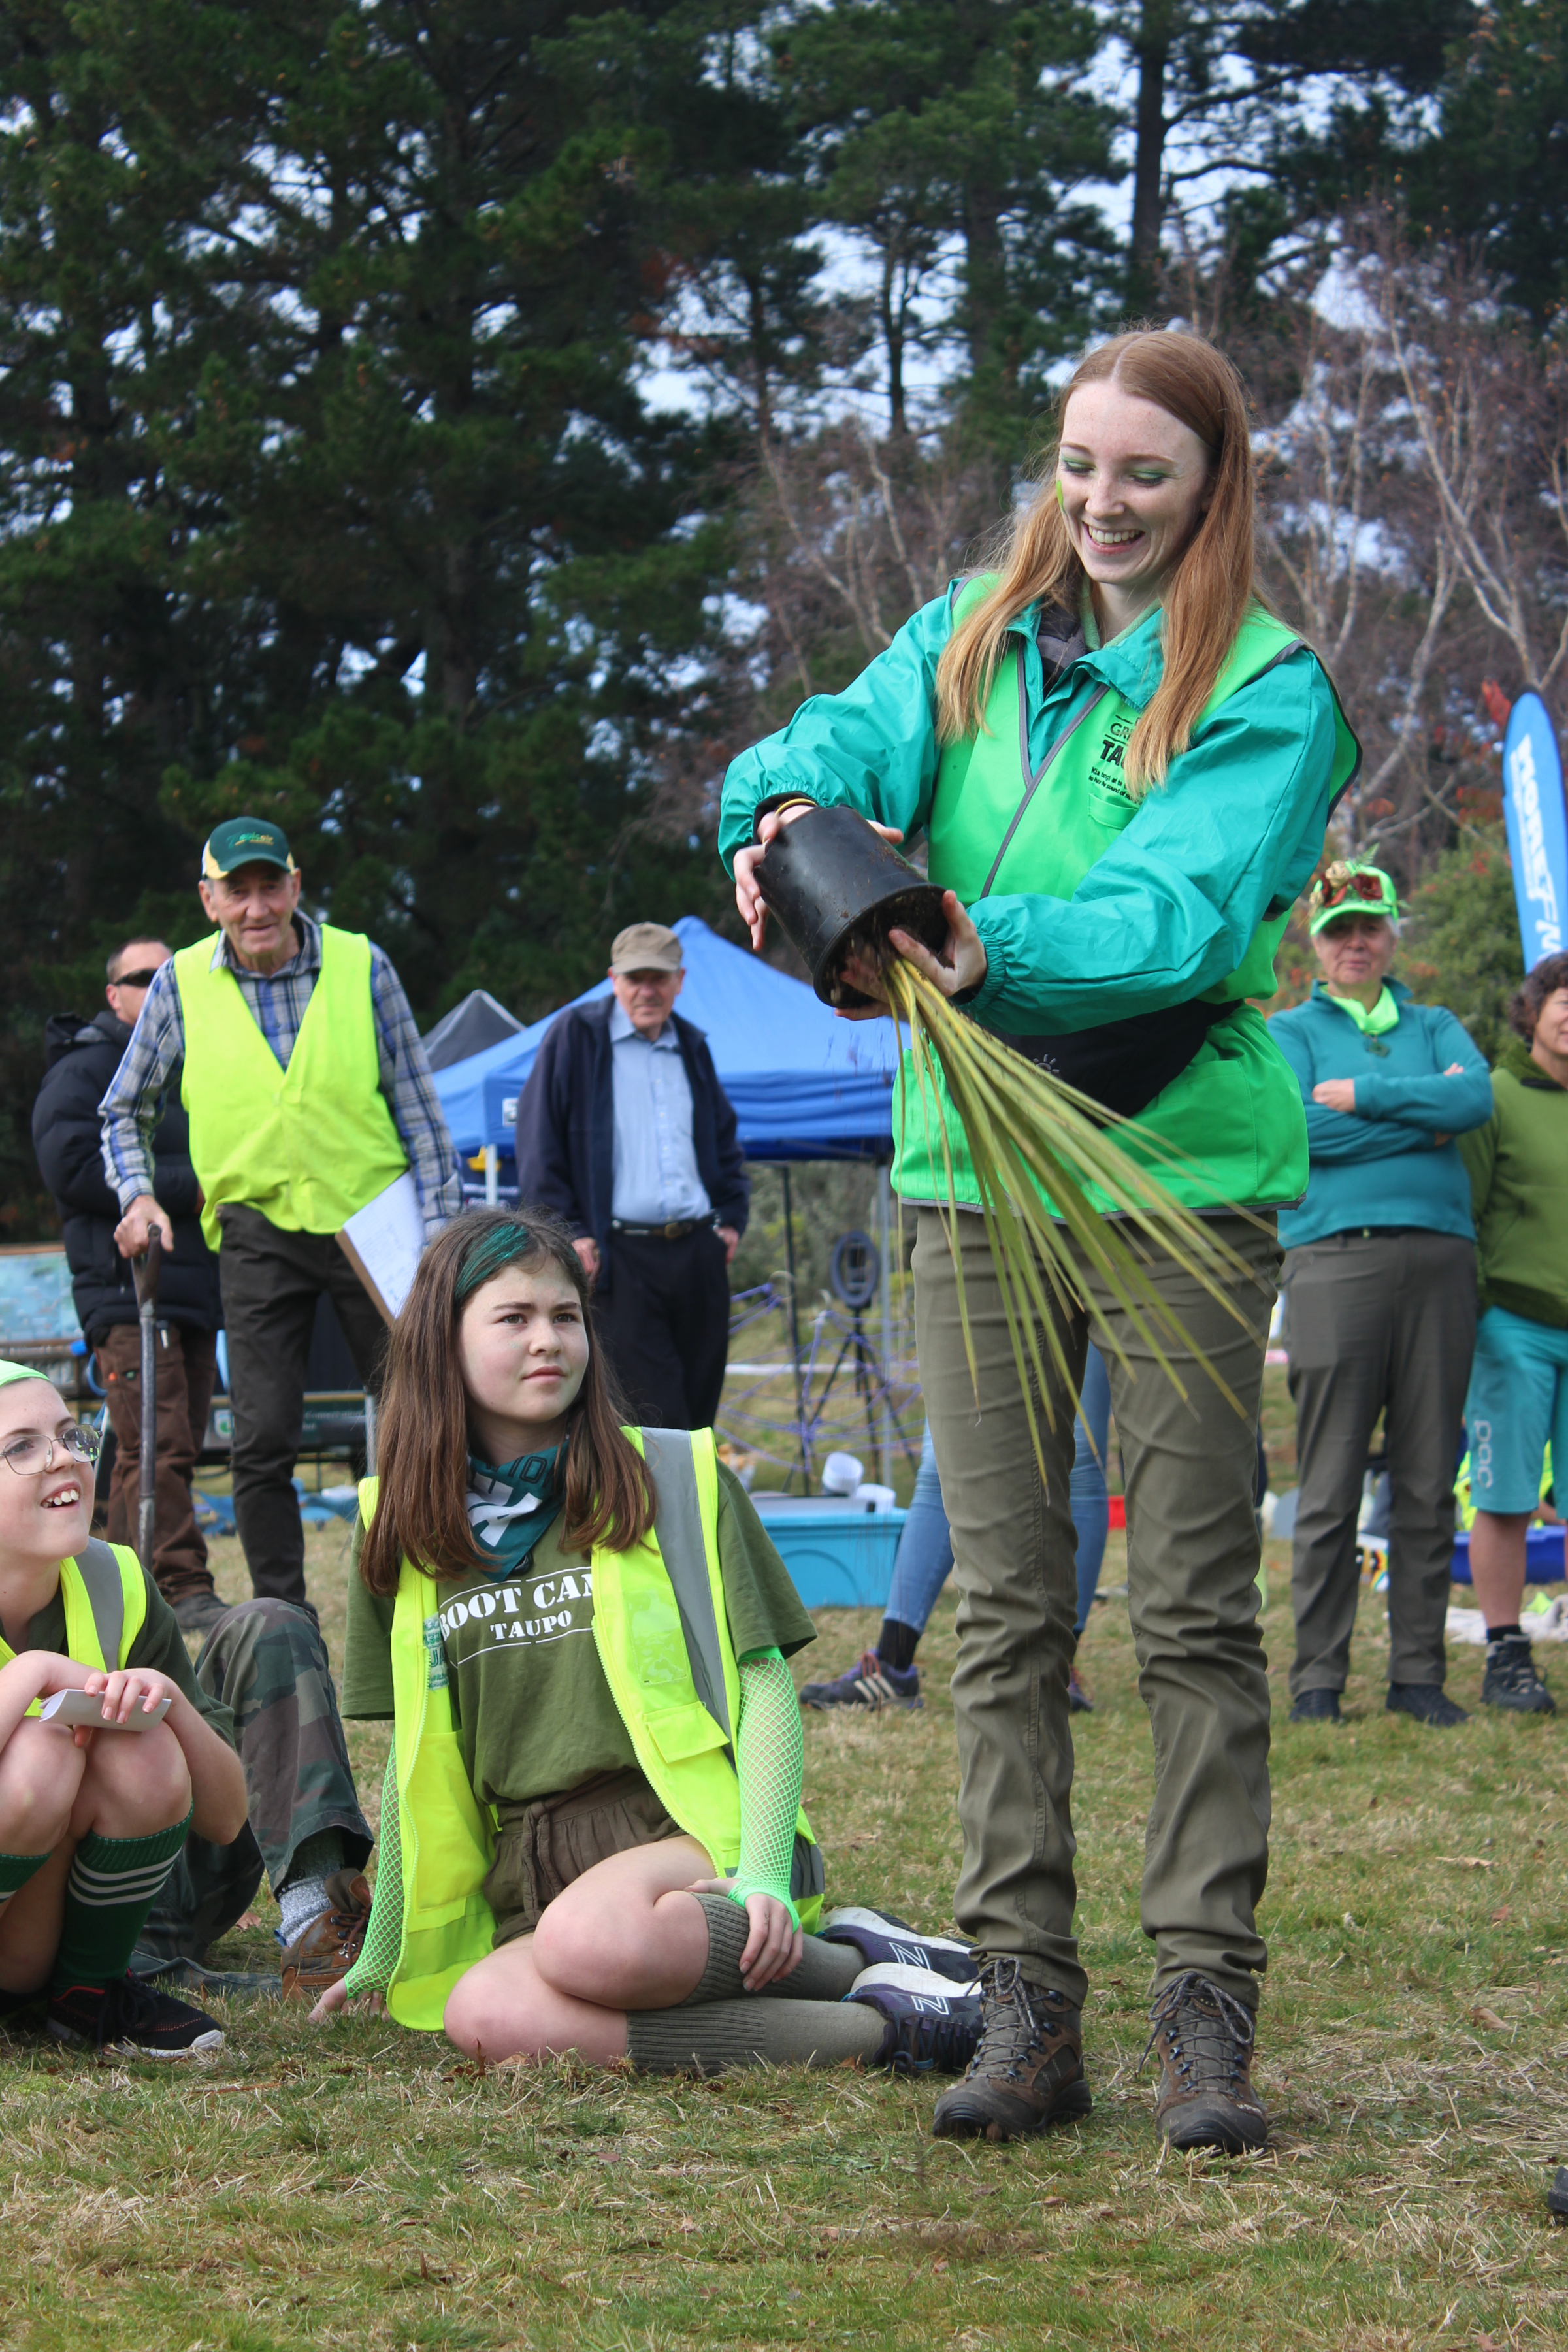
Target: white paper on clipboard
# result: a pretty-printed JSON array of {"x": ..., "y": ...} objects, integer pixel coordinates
[{"x": 383, "y": 1241}]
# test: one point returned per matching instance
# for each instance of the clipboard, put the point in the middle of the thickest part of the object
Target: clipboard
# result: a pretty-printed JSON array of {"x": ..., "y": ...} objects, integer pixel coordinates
[{"x": 382, "y": 1242}]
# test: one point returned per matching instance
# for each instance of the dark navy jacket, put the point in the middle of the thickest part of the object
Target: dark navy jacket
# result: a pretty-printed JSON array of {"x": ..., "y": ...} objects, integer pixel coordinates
[
  {"x": 80, "y": 1059},
  {"x": 567, "y": 1127}
]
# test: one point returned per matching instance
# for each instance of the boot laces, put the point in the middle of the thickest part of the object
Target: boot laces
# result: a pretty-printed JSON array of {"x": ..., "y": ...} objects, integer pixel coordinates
[
  {"x": 1211, "y": 2038},
  {"x": 1014, "y": 2030}
]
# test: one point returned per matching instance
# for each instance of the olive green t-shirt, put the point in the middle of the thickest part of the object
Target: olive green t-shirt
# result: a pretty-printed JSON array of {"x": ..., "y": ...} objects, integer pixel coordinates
[
  {"x": 534, "y": 1711},
  {"x": 160, "y": 1645}
]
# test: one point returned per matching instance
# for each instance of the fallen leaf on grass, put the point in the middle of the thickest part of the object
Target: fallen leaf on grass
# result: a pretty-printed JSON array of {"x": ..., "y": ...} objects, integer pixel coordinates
[
  {"x": 1488, "y": 2017},
  {"x": 1465, "y": 1861}
]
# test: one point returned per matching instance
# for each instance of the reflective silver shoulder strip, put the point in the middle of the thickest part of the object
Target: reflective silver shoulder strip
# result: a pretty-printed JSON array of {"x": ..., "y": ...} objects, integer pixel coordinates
[
  {"x": 677, "y": 1525},
  {"x": 100, "y": 1574}
]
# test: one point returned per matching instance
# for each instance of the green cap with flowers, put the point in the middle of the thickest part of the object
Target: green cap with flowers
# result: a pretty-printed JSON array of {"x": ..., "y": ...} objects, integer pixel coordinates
[{"x": 1350, "y": 887}]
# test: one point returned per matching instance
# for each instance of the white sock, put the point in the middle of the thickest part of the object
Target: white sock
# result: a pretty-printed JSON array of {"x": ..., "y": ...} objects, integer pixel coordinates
[{"x": 301, "y": 1901}]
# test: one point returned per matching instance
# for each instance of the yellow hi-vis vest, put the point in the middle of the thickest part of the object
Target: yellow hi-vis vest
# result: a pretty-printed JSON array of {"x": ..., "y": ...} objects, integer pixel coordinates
[
  {"x": 664, "y": 1643},
  {"x": 105, "y": 1594},
  {"x": 310, "y": 1145}
]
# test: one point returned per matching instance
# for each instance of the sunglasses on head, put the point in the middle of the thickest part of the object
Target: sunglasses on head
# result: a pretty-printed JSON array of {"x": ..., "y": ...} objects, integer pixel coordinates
[
  {"x": 137, "y": 979},
  {"x": 1353, "y": 885}
]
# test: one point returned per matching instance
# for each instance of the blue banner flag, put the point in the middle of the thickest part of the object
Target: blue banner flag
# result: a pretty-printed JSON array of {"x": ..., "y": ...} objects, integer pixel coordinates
[{"x": 1537, "y": 827}]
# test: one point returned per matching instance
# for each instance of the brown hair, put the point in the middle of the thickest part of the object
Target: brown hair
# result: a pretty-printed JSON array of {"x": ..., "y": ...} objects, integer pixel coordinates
[
  {"x": 422, "y": 1429},
  {"x": 1549, "y": 975},
  {"x": 1209, "y": 591}
]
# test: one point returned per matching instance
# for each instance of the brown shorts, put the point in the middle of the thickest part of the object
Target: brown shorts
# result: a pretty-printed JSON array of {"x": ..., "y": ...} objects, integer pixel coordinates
[{"x": 543, "y": 1846}]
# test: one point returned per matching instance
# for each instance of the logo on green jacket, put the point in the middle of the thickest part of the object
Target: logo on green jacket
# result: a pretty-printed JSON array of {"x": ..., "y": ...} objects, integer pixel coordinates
[{"x": 1105, "y": 769}]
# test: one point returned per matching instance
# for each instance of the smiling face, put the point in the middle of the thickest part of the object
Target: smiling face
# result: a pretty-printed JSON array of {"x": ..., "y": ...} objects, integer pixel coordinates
[
  {"x": 1355, "y": 954},
  {"x": 522, "y": 1351},
  {"x": 1133, "y": 484},
  {"x": 1552, "y": 1025},
  {"x": 46, "y": 1516},
  {"x": 254, "y": 908}
]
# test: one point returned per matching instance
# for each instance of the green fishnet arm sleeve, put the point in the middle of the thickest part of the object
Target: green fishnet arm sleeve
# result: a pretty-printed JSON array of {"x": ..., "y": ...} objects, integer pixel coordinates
[
  {"x": 373, "y": 1971},
  {"x": 769, "y": 1756}
]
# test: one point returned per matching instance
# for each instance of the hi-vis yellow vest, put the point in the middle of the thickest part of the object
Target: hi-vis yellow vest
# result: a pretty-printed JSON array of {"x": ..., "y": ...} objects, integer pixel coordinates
[
  {"x": 310, "y": 1145},
  {"x": 664, "y": 1643},
  {"x": 105, "y": 1596}
]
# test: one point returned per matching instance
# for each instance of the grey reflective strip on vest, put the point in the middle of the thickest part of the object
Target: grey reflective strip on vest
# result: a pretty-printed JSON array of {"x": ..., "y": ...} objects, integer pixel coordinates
[
  {"x": 677, "y": 1526},
  {"x": 100, "y": 1574}
]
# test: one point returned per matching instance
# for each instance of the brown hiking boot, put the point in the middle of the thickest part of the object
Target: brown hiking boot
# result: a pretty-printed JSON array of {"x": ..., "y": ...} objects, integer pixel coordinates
[
  {"x": 331, "y": 1944},
  {"x": 1204, "y": 2038},
  {"x": 1028, "y": 2070}
]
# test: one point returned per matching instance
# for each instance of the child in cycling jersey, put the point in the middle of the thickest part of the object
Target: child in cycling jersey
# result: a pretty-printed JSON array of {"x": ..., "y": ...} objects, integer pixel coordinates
[
  {"x": 91, "y": 1817},
  {"x": 591, "y": 1832}
]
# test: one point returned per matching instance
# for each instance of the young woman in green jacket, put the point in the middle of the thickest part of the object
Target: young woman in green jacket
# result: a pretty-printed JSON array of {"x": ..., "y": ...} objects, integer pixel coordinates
[{"x": 1124, "y": 767}]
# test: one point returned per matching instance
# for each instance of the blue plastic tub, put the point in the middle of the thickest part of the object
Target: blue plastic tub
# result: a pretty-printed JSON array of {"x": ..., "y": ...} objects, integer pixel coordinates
[
  {"x": 837, "y": 1559},
  {"x": 1542, "y": 1557}
]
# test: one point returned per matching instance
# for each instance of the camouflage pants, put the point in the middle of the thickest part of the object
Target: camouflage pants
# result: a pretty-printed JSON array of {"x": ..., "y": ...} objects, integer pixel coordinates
[{"x": 268, "y": 1664}]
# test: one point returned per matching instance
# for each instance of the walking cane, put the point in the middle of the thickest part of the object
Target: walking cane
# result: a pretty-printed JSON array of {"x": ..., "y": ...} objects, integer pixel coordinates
[{"x": 144, "y": 1273}]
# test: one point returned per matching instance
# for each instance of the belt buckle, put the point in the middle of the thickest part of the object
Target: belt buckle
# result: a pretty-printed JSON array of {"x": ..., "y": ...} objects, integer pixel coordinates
[{"x": 673, "y": 1230}]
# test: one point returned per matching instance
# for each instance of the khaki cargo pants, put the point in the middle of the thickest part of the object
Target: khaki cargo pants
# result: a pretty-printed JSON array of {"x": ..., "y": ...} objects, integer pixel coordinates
[{"x": 1192, "y": 1566}]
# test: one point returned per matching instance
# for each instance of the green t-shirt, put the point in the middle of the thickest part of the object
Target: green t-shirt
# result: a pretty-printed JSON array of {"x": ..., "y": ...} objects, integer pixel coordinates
[
  {"x": 160, "y": 1645},
  {"x": 534, "y": 1711}
]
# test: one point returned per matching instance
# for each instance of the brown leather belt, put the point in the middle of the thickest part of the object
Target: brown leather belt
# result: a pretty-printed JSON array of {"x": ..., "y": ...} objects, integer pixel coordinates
[{"x": 674, "y": 1231}]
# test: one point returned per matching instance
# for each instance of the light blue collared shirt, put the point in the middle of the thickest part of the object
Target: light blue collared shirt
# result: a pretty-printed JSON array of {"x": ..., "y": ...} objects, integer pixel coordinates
[{"x": 655, "y": 1179}]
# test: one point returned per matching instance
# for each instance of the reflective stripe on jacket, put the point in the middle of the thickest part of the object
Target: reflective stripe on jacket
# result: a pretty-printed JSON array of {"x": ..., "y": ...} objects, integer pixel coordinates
[
  {"x": 663, "y": 1639},
  {"x": 310, "y": 1145},
  {"x": 105, "y": 1597}
]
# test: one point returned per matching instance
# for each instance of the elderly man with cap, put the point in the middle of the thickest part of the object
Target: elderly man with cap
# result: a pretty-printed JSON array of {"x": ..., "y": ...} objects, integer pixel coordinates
[
  {"x": 309, "y": 1094},
  {"x": 1381, "y": 1277},
  {"x": 623, "y": 1130}
]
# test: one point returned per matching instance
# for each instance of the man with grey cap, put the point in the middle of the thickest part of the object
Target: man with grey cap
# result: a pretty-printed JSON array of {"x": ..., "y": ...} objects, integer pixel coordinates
[
  {"x": 309, "y": 1094},
  {"x": 623, "y": 1130}
]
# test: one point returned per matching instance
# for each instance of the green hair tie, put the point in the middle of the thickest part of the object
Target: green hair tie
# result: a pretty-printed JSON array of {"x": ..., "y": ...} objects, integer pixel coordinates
[{"x": 10, "y": 1371}]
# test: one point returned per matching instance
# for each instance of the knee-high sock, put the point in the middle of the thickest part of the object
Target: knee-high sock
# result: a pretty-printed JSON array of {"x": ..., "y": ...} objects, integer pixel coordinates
[
  {"x": 113, "y": 1886},
  {"x": 824, "y": 1972},
  {"x": 755, "y": 2031},
  {"x": 16, "y": 1869}
]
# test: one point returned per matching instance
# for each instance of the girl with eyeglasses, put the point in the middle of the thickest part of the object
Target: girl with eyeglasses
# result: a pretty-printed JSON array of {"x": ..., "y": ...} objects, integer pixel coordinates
[{"x": 91, "y": 1816}]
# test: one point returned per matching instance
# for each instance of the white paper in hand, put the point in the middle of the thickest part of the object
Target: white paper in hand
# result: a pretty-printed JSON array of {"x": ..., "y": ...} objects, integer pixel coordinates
[
  {"x": 383, "y": 1241},
  {"x": 70, "y": 1707}
]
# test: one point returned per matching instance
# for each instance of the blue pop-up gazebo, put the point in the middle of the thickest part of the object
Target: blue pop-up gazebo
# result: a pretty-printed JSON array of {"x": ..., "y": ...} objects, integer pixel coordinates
[{"x": 805, "y": 1084}]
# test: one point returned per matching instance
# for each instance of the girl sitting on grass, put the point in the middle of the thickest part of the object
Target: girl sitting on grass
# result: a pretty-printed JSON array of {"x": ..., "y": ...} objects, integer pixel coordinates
[
  {"x": 591, "y": 1834},
  {"x": 90, "y": 1821}
]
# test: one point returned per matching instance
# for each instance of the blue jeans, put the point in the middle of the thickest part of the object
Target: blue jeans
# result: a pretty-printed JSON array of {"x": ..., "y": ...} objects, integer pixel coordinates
[{"x": 925, "y": 1547}]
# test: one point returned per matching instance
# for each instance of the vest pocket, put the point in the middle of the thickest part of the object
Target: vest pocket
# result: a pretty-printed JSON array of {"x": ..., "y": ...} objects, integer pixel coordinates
[
  {"x": 1114, "y": 810},
  {"x": 680, "y": 1732},
  {"x": 455, "y": 1855}
]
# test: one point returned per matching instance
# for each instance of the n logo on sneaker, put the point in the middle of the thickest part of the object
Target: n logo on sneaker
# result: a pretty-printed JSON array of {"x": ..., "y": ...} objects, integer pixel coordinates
[{"x": 914, "y": 1956}]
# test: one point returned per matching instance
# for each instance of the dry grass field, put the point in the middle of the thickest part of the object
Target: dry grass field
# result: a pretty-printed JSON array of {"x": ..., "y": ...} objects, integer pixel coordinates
[{"x": 362, "y": 2186}]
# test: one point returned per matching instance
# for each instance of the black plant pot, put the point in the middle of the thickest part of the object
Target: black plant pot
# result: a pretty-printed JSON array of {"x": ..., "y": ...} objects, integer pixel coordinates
[{"x": 836, "y": 886}]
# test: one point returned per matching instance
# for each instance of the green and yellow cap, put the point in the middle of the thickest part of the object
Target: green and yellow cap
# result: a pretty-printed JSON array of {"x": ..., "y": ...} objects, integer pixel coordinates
[
  {"x": 1350, "y": 887},
  {"x": 245, "y": 841}
]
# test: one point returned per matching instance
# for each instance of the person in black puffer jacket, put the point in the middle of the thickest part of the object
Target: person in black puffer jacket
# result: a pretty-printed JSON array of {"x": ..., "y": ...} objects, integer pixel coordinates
[{"x": 80, "y": 1059}]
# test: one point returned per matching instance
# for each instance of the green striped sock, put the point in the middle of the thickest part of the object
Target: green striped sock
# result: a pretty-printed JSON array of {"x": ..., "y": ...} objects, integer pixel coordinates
[
  {"x": 16, "y": 1869},
  {"x": 113, "y": 1883}
]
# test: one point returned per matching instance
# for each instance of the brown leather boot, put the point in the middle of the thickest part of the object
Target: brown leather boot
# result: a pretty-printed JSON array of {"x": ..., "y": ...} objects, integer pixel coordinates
[
  {"x": 1204, "y": 2038},
  {"x": 1028, "y": 2070},
  {"x": 331, "y": 1944}
]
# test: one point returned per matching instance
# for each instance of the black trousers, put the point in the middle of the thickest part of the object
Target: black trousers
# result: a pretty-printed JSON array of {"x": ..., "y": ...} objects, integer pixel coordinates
[
  {"x": 271, "y": 1282},
  {"x": 664, "y": 1324}
]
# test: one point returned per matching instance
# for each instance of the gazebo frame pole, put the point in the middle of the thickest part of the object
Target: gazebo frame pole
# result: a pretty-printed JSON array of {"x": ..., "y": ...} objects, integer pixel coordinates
[
  {"x": 794, "y": 1333},
  {"x": 885, "y": 1283}
]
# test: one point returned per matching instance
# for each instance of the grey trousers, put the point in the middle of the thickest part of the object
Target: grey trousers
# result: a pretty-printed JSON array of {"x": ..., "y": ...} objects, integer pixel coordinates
[
  {"x": 1388, "y": 1322},
  {"x": 1192, "y": 1567}
]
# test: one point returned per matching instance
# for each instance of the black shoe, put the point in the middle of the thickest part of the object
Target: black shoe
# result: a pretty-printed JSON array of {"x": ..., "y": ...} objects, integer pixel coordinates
[
  {"x": 1427, "y": 1702},
  {"x": 931, "y": 2027},
  {"x": 198, "y": 1611},
  {"x": 869, "y": 1684},
  {"x": 1317, "y": 1706},
  {"x": 1204, "y": 2037},
  {"x": 131, "y": 2016},
  {"x": 1078, "y": 1700},
  {"x": 1557, "y": 2195},
  {"x": 1510, "y": 1678},
  {"x": 1029, "y": 2069}
]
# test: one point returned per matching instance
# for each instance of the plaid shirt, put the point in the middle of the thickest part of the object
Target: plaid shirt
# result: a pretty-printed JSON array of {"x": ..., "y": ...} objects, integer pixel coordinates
[{"x": 277, "y": 1001}]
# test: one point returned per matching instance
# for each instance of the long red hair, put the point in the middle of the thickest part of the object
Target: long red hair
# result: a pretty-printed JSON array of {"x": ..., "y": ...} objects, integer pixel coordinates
[{"x": 1206, "y": 597}]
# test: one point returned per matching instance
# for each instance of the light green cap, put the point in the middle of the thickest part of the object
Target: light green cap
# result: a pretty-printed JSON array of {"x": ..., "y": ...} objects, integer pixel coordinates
[
  {"x": 9, "y": 1373},
  {"x": 1351, "y": 885}
]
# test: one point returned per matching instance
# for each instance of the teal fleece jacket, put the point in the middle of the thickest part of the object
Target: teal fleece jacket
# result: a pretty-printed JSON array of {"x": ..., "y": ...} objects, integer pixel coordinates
[
  {"x": 1378, "y": 1164},
  {"x": 1171, "y": 908}
]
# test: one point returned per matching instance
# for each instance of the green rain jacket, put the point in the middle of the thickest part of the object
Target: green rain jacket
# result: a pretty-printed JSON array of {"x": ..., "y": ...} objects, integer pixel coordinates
[{"x": 1168, "y": 911}]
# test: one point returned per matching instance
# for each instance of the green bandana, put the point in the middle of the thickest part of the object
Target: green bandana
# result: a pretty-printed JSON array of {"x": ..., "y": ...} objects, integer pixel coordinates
[
  {"x": 1384, "y": 1013},
  {"x": 9, "y": 1373},
  {"x": 509, "y": 1509}
]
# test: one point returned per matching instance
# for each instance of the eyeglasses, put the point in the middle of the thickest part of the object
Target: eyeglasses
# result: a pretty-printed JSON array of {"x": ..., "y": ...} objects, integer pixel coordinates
[
  {"x": 32, "y": 1451},
  {"x": 137, "y": 979},
  {"x": 1351, "y": 886}
]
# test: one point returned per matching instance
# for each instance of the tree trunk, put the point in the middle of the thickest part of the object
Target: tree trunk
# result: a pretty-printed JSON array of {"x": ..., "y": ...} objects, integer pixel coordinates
[{"x": 1152, "y": 47}]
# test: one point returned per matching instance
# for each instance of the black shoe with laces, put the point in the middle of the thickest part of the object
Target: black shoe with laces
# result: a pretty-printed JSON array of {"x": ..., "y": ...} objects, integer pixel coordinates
[
  {"x": 931, "y": 2027},
  {"x": 1511, "y": 1681},
  {"x": 1204, "y": 2037},
  {"x": 1427, "y": 1702},
  {"x": 1029, "y": 2069},
  {"x": 1317, "y": 1706},
  {"x": 132, "y": 2016}
]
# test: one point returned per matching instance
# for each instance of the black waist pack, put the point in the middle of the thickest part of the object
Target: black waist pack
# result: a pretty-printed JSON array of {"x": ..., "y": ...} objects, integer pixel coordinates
[{"x": 1123, "y": 1065}]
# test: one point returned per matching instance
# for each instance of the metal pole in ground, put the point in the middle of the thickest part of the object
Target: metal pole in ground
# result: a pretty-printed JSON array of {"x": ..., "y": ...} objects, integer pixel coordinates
[
  {"x": 885, "y": 1439},
  {"x": 144, "y": 1273}
]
